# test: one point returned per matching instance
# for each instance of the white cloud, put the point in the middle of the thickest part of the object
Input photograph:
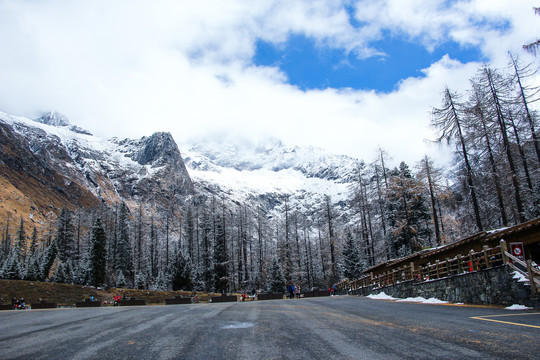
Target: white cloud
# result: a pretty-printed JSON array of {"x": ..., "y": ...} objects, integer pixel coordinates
[{"x": 128, "y": 68}]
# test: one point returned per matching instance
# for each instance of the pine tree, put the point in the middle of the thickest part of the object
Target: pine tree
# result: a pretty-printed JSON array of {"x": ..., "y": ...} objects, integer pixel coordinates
[
  {"x": 162, "y": 281},
  {"x": 63, "y": 274},
  {"x": 121, "y": 280},
  {"x": 206, "y": 265},
  {"x": 20, "y": 241},
  {"x": 221, "y": 275},
  {"x": 409, "y": 230},
  {"x": 33, "y": 272},
  {"x": 123, "y": 247},
  {"x": 351, "y": 263},
  {"x": 181, "y": 273},
  {"x": 81, "y": 271},
  {"x": 65, "y": 235},
  {"x": 98, "y": 255},
  {"x": 140, "y": 280},
  {"x": 12, "y": 267},
  {"x": 50, "y": 257},
  {"x": 276, "y": 279}
]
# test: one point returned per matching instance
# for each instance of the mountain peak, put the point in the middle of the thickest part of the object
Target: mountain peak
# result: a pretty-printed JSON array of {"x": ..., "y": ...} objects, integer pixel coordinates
[
  {"x": 54, "y": 118},
  {"x": 158, "y": 147}
]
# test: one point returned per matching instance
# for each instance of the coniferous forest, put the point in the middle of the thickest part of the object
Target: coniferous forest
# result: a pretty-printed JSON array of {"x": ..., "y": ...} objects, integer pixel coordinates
[{"x": 211, "y": 244}]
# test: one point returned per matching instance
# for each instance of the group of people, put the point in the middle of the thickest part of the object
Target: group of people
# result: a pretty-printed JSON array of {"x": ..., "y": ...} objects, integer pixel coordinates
[
  {"x": 294, "y": 291},
  {"x": 18, "y": 304},
  {"x": 332, "y": 290},
  {"x": 118, "y": 299}
]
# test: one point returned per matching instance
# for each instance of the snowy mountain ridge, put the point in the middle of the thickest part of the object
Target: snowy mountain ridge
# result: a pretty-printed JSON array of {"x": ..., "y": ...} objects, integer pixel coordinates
[
  {"x": 247, "y": 171},
  {"x": 152, "y": 170}
]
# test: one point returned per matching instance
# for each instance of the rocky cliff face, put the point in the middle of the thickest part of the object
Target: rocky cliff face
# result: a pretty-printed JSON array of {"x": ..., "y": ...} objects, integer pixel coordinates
[{"x": 48, "y": 164}]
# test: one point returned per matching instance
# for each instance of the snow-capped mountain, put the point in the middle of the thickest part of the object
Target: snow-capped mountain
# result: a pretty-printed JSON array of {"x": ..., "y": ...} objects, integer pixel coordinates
[
  {"x": 47, "y": 163},
  {"x": 268, "y": 172}
]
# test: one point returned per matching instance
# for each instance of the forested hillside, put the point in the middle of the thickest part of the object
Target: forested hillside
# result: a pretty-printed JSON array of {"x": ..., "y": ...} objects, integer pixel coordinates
[{"x": 210, "y": 238}]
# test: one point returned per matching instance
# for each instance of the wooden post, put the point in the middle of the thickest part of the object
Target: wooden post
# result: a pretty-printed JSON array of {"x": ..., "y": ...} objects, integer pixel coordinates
[
  {"x": 503, "y": 251},
  {"x": 459, "y": 264},
  {"x": 437, "y": 268},
  {"x": 412, "y": 270},
  {"x": 486, "y": 258},
  {"x": 531, "y": 277},
  {"x": 448, "y": 267}
]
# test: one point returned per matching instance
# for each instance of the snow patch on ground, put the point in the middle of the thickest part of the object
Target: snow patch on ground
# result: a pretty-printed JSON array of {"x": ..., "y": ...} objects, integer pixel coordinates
[
  {"x": 520, "y": 277},
  {"x": 383, "y": 296},
  {"x": 518, "y": 307},
  {"x": 424, "y": 300}
]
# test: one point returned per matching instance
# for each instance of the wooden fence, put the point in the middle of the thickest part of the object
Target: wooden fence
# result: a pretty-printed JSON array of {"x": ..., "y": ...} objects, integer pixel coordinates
[{"x": 460, "y": 264}]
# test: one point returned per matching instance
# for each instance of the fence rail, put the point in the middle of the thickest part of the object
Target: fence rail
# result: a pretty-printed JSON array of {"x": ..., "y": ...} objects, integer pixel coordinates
[{"x": 460, "y": 264}]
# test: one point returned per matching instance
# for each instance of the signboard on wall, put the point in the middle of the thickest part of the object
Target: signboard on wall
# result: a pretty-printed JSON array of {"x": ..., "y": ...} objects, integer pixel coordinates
[{"x": 517, "y": 250}]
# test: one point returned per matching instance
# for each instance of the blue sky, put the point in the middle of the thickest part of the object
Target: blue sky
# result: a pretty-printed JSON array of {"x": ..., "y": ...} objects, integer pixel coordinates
[
  {"x": 310, "y": 66},
  {"x": 348, "y": 76}
]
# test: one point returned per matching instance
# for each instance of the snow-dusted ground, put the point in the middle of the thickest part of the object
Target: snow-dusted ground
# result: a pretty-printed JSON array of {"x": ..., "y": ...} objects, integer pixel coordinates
[
  {"x": 383, "y": 296},
  {"x": 518, "y": 307}
]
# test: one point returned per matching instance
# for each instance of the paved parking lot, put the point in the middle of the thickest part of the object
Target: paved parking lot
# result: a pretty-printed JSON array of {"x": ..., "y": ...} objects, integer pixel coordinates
[{"x": 340, "y": 327}]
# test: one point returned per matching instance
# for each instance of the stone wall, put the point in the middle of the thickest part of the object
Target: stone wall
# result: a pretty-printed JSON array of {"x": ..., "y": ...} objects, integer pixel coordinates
[{"x": 494, "y": 286}]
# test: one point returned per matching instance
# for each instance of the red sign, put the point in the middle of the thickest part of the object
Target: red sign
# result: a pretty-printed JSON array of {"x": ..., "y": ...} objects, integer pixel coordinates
[{"x": 516, "y": 249}]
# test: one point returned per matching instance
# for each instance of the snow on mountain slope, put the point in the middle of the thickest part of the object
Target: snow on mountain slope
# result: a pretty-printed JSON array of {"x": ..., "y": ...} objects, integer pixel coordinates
[
  {"x": 151, "y": 169},
  {"x": 147, "y": 171},
  {"x": 246, "y": 170}
]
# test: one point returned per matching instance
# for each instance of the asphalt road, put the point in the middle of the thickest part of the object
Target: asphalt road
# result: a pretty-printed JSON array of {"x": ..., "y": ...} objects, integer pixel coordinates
[{"x": 340, "y": 327}]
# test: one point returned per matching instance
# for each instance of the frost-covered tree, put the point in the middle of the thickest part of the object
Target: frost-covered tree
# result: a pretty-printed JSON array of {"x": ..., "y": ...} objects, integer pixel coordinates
[
  {"x": 20, "y": 241},
  {"x": 65, "y": 235},
  {"x": 181, "y": 273},
  {"x": 221, "y": 262},
  {"x": 351, "y": 263},
  {"x": 50, "y": 257},
  {"x": 123, "y": 246},
  {"x": 206, "y": 269},
  {"x": 448, "y": 120},
  {"x": 411, "y": 215},
  {"x": 121, "y": 280},
  {"x": 535, "y": 45},
  {"x": 276, "y": 281},
  {"x": 12, "y": 267},
  {"x": 140, "y": 280},
  {"x": 63, "y": 273},
  {"x": 98, "y": 255}
]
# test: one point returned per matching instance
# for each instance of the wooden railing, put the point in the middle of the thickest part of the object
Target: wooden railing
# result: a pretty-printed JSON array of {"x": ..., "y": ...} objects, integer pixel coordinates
[
  {"x": 525, "y": 268},
  {"x": 460, "y": 264}
]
